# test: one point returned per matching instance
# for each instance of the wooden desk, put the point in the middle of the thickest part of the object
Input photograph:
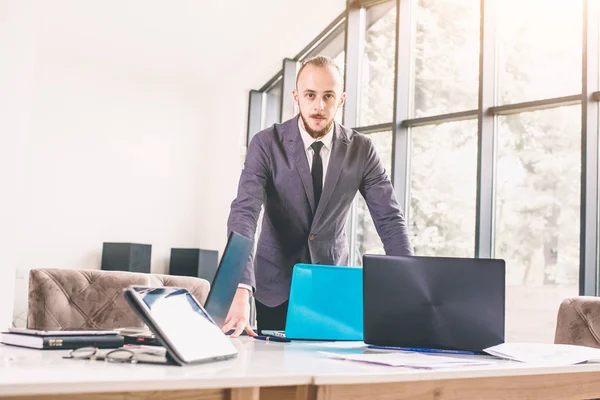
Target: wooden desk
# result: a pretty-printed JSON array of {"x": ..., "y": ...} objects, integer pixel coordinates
[{"x": 281, "y": 371}]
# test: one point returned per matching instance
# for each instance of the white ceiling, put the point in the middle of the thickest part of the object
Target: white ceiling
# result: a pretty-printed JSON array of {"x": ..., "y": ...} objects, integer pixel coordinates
[{"x": 200, "y": 38}]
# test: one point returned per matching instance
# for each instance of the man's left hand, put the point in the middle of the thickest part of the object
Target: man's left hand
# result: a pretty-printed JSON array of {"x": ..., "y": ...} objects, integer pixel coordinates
[{"x": 238, "y": 317}]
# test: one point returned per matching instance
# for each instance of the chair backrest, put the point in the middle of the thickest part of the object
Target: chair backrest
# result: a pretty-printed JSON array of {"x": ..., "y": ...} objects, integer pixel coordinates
[
  {"x": 578, "y": 321},
  {"x": 69, "y": 299}
]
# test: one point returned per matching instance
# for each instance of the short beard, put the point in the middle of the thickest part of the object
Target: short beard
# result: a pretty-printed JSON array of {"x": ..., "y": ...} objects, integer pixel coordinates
[{"x": 316, "y": 134}]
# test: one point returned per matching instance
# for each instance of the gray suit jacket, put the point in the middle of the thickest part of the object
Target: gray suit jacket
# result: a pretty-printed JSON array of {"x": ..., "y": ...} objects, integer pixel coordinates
[{"x": 276, "y": 174}]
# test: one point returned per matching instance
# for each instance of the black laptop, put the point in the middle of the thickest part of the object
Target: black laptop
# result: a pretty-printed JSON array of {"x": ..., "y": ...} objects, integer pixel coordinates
[
  {"x": 229, "y": 273},
  {"x": 433, "y": 303}
]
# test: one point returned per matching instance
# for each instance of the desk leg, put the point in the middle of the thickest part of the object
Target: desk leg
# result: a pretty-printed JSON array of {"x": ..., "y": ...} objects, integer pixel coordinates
[
  {"x": 252, "y": 393},
  {"x": 248, "y": 393},
  {"x": 304, "y": 392},
  {"x": 202, "y": 394}
]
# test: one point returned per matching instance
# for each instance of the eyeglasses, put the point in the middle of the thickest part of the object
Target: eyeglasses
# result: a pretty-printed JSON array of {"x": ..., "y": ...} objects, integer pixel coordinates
[{"x": 120, "y": 355}]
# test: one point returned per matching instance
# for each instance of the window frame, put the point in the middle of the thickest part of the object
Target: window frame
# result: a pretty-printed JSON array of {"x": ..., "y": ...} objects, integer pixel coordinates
[{"x": 352, "y": 24}]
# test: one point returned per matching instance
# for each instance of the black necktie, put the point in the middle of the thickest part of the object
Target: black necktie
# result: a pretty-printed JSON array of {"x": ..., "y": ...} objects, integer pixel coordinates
[{"x": 317, "y": 171}]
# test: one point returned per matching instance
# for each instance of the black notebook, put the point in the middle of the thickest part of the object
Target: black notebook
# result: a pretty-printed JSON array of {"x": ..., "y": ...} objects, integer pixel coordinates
[{"x": 61, "y": 340}]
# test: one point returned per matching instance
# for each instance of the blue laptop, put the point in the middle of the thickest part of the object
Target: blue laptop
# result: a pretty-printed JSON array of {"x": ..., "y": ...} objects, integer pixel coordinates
[{"x": 326, "y": 303}]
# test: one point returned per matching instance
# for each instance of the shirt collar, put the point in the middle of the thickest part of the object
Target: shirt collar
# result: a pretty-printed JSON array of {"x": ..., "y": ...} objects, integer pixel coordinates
[{"x": 308, "y": 140}]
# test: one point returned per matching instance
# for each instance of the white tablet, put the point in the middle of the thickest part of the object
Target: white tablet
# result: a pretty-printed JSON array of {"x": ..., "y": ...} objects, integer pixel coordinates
[{"x": 180, "y": 324}]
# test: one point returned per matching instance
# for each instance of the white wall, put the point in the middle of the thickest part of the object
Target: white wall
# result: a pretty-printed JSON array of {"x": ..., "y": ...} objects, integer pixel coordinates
[
  {"x": 113, "y": 156},
  {"x": 126, "y": 121},
  {"x": 17, "y": 58}
]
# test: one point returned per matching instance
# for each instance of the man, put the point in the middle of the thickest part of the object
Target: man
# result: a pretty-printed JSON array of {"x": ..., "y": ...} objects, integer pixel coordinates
[{"x": 306, "y": 172}]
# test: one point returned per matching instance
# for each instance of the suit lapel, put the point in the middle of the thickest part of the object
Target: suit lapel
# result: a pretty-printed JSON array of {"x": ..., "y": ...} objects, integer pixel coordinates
[
  {"x": 296, "y": 147},
  {"x": 338, "y": 152}
]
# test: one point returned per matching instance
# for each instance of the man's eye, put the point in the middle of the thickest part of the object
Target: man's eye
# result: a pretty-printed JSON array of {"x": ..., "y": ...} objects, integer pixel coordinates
[
  {"x": 310, "y": 95},
  {"x": 328, "y": 96}
]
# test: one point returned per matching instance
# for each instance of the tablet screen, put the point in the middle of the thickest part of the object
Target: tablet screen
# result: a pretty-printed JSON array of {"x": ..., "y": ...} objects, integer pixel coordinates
[{"x": 185, "y": 324}]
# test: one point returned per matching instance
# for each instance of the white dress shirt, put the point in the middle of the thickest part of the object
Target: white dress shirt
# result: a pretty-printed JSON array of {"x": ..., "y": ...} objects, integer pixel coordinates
[
  {"x": 325, "y": 152},
  {"x": 327, "y": 141}
]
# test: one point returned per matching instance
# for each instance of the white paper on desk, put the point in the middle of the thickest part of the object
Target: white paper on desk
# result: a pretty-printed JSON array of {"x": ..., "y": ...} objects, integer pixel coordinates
[
  {"x": 338, "y": 345},
  {"x": 410, "y": 360},
  {"x": 545, "y": 353}
]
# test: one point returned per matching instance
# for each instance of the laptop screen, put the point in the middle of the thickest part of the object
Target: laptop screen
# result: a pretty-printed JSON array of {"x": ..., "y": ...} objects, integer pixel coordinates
[
  {"x": 184, "y": 323},
  {"x": 228, "y": 276},
  {"x": 325, "y": 303}
]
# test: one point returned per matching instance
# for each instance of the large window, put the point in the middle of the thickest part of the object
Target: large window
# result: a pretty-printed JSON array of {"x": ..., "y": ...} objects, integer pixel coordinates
[
  {"x": 377, "y": 66},
  {"x": 537, "y": 216},
  {"x": 539, "y": 49},
  {"x": 272, "y": 105},
  {"x": 339, "y": 59},
  {"x": 367, "y": 239},
  {"x": 443, "y": 188},
  {"x": 486, "y": 119},
  {"x": 538, "y": 179},
  {"x": 446, "y": 56}
]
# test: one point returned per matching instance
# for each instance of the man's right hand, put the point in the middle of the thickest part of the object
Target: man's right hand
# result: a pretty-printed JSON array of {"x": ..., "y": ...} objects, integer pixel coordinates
[{"x": 238, "y": 317}]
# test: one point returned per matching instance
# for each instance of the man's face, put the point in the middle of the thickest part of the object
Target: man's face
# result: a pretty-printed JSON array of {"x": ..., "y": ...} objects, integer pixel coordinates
[{"x": 318, "y": 95}]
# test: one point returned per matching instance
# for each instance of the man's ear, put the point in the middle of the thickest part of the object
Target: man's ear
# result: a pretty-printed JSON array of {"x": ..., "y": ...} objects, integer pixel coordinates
[
  {"x": 342, "y": 99},
  {"x": 295, "y": 96}
]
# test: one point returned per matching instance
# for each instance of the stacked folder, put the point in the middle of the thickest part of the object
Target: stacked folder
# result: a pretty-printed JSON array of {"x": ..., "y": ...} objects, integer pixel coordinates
[{"x": 60, "y": 340}]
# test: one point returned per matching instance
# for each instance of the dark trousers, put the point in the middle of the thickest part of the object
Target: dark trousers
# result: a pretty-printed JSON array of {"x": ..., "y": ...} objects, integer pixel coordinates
[{"x": 270, "y": 318}]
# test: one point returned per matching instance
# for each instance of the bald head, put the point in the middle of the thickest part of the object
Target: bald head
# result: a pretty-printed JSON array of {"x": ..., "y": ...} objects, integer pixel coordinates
[{"x": 321, "y": 62}]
